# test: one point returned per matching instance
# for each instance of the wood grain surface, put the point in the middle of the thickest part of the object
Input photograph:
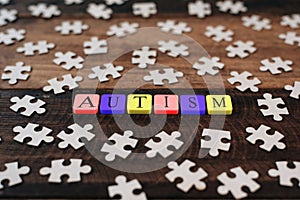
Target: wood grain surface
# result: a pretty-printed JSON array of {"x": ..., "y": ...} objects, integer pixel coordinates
[{"x": 59, "y": 107}]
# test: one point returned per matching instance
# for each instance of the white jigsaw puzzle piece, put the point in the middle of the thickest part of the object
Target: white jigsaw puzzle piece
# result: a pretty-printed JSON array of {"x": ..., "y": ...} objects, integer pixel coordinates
[
  {"x": 169, "y": 74},
  {"x": 99, "y": 11},
  {"x": 95, "y": 46},
  {"x": 73, "y": 170},
  {"x": 70, "y": 2},
  {"x": 13, "y": 174},
  {"x": 285, "y": 173},
  {"x": 7, "y": 15},
  {"x": 208, "y": 66},
  {"x": 16, "y": 73},
  {"x": 295, "y": 89},
  {"x": 189, "y": 178},
  {"x": 11, "y": 35},
  {"x": 219, "y": 33},
  {"x": 122, "y": 29},
  {"x": 58, "y": 86},
  {"x": 171, "y": 26},
  {"x": 245, "y": 82},
  {"x": 36, "y": 136},
  {"x": 4, "y": 2},
  {"x": 117, "y": 149},
  {"x": 117, "y": 2},
  {"x": 125, "y": 189},
  {"x": 143, "y": 57},
  {"x": 173, "y": 48},
  {"x": 108, "y": 69},
  {"x": 68, "y": 60},
  {"x": 234, "y": 185},
  {"x": 145, "y": 9},
  {"x": 73, "y": 139},
  {"x": 42, "y": 47},
  {"x": 26, "y": 102},
  {"x": 290, "y": 38},
  {"x": 256, "y": 22},
  {"x": 214, "y": 143},
  {"x": 44, "y": 10},
  {"x": 199, "y": 8},
  {"x": 161, "y": 147},
  {"x": 293, "y": 21},
  {"x": 269, "y": 140},
  {"x": 273, "y": 108},
  {"x": 276, "y": 64},
  {"x": 240, "y": 49},
  {"x": 231, "y": 7},
  {"x": 68, "y": 27}
]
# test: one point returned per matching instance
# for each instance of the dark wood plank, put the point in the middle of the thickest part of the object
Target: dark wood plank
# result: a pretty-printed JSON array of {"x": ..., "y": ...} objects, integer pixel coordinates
[{"x": 59, "y": 115}]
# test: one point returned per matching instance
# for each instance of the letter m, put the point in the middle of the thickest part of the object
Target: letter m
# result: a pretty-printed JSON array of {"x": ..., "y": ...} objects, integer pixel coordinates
[{"x": 220, "y": 103}]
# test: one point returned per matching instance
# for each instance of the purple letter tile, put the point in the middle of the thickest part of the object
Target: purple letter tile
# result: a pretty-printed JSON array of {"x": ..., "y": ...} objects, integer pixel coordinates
[
  {"x": 192, "y": 104},
  {"x": 112, "y": 104}
]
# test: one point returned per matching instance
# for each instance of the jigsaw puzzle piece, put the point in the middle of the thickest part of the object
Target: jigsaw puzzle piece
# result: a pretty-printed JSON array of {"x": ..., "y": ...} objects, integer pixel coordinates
[
  {"x": 273, "y": 109},
  {"x": 295, "y": 89},
  {"x": 13, "y": 174},
  {"x": 58, "y": 86},
  {"x": 108, "y": 69},
  {"x": 169, "y": 74},
  {"x": 246, "y": 83},
  {"x": 117, "y": 149},
  {"x": 212, "y": 140},
  {"x": 145, "y": 9},
  {"x": 27, "y": 103},
  {"x": 99, "y": 11},
  {"x": 123, "y": 29},
  {"x": 199, "y": 8},
  {"x": 36, "y": 136},
  {"x": 235, "y": 185},
  {"x": 269, "y": 140},
  {"x": 189, "y": 178},
  {"x": 173, "y": 48},
  {"x": 143, "y": 57},
  {"x": 16, "y": 73},
  {"x": 58, "y": 169},
  {"x": 95, "y": 46},
  {"x": 208, "y": 66},
  {"x": 126, "y": 188},
  {"x": 285, "y": 173},
  {"x": 161, "y": 147},
  {"x": 68, "y": 60},
  {"x": 73, "y": 139},
  {"x": 240, "y": 49}
]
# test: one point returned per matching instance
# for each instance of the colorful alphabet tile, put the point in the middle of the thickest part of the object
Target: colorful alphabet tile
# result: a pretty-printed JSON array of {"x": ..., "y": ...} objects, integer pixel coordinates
[
  {"x": 113, "y": 104},
  {"x": 139, "y": 104},
  {"x": 86, "y": 104},
  {"x": 219, "y": 104},
  {"x": 162, "y": 104},
  {"x": 192, "y": 104},
  {"x": 166, "y": 104}
]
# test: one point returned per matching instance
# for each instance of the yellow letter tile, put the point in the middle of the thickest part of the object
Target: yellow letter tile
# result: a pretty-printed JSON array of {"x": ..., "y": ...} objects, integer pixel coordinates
[
  {"x": 139, "y": 104},
  {"x": 219, "y": 104}
]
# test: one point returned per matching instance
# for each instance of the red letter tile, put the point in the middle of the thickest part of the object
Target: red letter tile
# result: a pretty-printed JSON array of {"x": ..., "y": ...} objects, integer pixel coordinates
[
  {"x": 86, "y": 103},
  {"x": 166, "y": 104}
]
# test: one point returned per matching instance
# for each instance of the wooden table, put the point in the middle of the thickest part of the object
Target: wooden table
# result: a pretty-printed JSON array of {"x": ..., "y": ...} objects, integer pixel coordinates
[{"x": 59, "y": 107}]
